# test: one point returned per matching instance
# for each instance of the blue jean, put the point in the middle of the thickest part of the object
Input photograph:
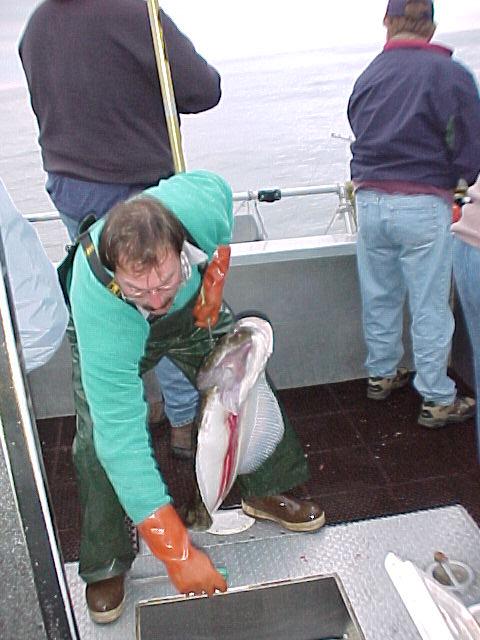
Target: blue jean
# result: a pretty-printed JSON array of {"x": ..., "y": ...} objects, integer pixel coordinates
[
  {"x": 180, "y": 397},
  {"x": 466, "y": 270},
  {"x": 405, "y": 247},
  {"x": 74, "y": 199}
]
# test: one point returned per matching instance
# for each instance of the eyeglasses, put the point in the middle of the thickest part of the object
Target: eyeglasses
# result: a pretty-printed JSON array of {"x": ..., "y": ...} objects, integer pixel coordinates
[
  {"x": 134, "y": 293},
  {"x": 130, "y": 291}
]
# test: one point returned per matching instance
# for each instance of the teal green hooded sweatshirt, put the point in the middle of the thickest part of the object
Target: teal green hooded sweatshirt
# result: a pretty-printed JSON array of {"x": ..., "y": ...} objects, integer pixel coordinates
[{"x": 112, "y": 335}]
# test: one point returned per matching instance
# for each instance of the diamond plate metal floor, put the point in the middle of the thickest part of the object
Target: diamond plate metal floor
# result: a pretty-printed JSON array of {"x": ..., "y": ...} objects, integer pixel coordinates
[{"x": 355, "y": 552}]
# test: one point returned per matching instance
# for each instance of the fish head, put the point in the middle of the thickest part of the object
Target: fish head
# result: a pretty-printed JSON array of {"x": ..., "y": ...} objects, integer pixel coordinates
[{"x": 236, "y": 361}]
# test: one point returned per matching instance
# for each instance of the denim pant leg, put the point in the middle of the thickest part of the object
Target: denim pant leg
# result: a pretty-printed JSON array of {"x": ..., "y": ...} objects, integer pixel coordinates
[
  {"x": 466, "y": 269},
  {"x": 180, "y": 396},
  {"x": 422, "y": 226},
  {"x": 75, "y": 199},
  {"x": 381, "y": 286},
  {"x": 71, "y": 225}
]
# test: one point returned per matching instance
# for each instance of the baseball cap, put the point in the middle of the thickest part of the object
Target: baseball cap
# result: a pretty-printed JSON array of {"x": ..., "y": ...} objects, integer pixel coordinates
[{"x": 396, "y": 8}]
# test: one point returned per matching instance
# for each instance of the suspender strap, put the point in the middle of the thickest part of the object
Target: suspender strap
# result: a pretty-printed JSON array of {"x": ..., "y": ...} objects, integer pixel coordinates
[{"x": 95, "y": 264}]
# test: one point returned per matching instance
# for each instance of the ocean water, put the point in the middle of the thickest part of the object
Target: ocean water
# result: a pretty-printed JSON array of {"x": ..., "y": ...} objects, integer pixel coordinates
[
  {"x": 274, "y": 125},
  {"x": 272, "y": 128}
]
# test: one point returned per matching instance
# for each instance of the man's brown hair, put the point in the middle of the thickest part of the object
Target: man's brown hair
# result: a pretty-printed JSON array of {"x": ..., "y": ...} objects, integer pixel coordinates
[
  {"x": 413, "y": 21},
  {"x": 138, "y": 233}
]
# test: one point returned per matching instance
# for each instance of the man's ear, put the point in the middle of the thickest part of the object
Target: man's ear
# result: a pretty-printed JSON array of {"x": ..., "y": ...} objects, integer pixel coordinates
[{"x": 386, "y": 24}]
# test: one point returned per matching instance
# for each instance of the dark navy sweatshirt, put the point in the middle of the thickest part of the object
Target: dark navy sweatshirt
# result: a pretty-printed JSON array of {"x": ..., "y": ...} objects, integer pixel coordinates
[
  {"x": 415, "y": 114},
  {"x": 94, "y": 88}
]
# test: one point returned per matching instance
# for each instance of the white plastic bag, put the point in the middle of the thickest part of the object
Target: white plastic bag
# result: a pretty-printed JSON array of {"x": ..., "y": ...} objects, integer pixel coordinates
[{"x": 39, "y": 307}]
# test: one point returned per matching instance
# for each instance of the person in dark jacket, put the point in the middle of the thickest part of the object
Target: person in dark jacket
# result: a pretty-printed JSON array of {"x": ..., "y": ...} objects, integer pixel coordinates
[
  {"x": 94, "y": 88},
  {"x": 415, "y": 114}
]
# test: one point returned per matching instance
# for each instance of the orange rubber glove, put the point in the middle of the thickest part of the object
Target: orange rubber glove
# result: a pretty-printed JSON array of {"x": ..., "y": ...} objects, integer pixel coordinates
[
  {"x": 207, "y": 306},
  {"x": 189, "y": 569}
]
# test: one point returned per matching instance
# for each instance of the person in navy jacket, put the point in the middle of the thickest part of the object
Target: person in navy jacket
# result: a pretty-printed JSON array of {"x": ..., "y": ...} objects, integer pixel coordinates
[{"x": 415, "y": 114}]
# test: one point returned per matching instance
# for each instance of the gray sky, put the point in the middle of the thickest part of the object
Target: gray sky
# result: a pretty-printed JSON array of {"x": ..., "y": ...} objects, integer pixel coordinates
[{"x": 222, "y": 29}]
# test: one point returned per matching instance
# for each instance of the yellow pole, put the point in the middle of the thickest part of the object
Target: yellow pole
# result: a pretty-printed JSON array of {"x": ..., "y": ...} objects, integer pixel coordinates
[{"x": 166, "y": 86}]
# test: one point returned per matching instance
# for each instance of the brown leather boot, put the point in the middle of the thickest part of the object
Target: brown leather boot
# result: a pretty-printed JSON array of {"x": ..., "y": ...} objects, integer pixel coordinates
[
  {"x": 181, "y": 441},
  {"x": 106, "y": 599},
  {"x": 294, "y": 514}
]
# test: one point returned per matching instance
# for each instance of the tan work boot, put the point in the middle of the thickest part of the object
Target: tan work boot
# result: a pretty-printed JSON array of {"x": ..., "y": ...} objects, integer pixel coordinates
[
  {"x": 294, "y": 514},
  {"x": 106, "y": 599},
  {"x": 181, "y": 441},
  {"x": 435, "y": 415},
  {"x": 379, "y": 388}
]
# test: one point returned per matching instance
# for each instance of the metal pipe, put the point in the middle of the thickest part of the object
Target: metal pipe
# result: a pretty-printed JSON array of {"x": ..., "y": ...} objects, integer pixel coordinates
[
  {"x": 239, "y": 196},
  {"x": 344, "y": 211},
  {"x": 166, "y": 86},
  {"x": 43, "y": 217},
  {"x": 287, "y": 193}
]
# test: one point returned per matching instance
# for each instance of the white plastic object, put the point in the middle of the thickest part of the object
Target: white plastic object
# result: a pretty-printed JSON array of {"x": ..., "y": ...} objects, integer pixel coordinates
[
  {"x": 229, "y": 522},
  {"x": 436, "y": 613}
]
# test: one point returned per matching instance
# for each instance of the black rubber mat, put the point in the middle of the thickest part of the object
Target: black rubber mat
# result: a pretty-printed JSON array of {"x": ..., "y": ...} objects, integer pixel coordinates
[{"x": 367, "y": 458}]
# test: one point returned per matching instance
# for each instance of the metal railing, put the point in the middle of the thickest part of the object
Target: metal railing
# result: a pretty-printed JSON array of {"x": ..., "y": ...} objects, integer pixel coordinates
[
  {"x": 26, "y": 477},
  {"x": 345, "y": 211}
]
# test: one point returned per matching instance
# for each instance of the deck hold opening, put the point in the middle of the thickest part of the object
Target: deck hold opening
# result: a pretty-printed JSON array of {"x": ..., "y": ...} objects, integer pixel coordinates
[{"x": 314, "y": 608}]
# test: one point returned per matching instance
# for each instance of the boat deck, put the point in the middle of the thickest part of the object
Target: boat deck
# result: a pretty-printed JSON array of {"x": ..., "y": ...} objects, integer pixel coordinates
[
  {"x": 265, "y": 559},
  {"x": 367, "y": 458}
]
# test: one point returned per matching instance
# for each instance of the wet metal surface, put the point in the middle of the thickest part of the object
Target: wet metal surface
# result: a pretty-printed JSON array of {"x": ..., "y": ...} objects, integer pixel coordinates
[
  {"x": 310, "y": 609},
  {"x": 355, "y": 552}
]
